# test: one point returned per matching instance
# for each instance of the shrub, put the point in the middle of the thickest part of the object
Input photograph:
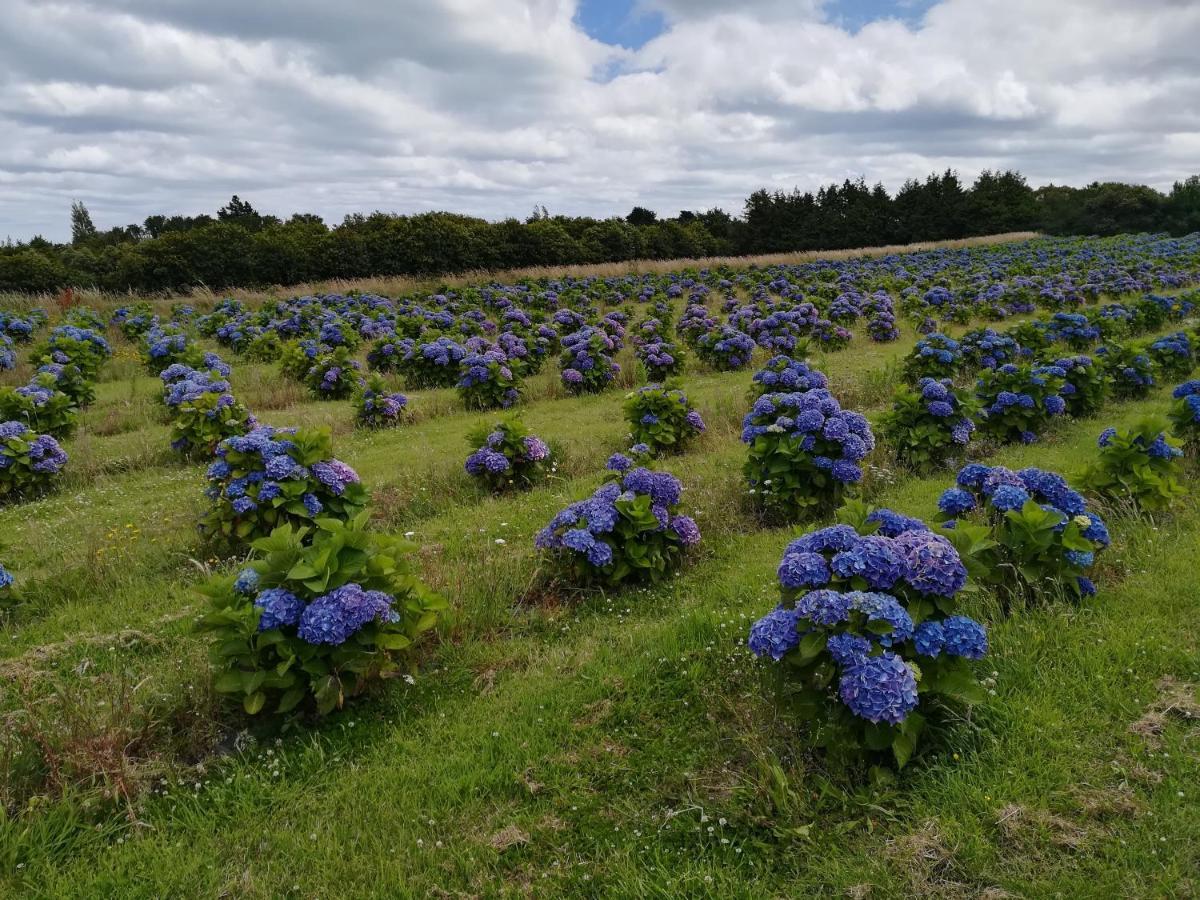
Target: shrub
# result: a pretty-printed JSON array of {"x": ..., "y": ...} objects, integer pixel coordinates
[
  {"x": 265, "y": 347},
  {"x": 928, "y": 425},
  {"x": 661, "y": 418},
  {"x": 297, "y": 357},
  {"x": 585, "y": 363},
  {"x": 507, "y": 456},
  {"x": 430, "y": 362},
  {"x": 203, "y": 411},
  {"x": 1018, "y": 401},
  {"x": 376, "y": 407},
  {"x": 1172, "y": 356},
  {"x": 41, "y": 406},
  {"x": 805, "y": 452},
  {"x": 1130, "y": 369},
  {"x": 1185, "y": 413},
  {"x": 628, "y": 530},
  {"x": 316, "y": 617},
  {"x": 866, "y": 629},
  {"x": 333, "y": 375},
  {"x": 1031, "y": 337},
  {"x": 787, "y": 374},
  {"x": 272, "y": 477},
  {"x": 935, "y": 356},
  {"x": 385, "y": 355},
  {"x": 71, "y": 381},
  {"x": 163, "y": 347},
  {"x": 661, "y": 359},
  {"x": 984, "y": 348},
  {"x": 1141, "y": 462},
  {"x": 1027, "y": 533},
  {"x": 29, "y": 462},
  {"x": 486, "y": 381},
  {"x": 8, "y": 357},
  {"x": 1085, "y": 385},
  {"x": 725, "y": 349},
  {"x": 1072, "y": 329},
  {"x": 7, "y": 594},
  {"x": 71, "y": 345}
]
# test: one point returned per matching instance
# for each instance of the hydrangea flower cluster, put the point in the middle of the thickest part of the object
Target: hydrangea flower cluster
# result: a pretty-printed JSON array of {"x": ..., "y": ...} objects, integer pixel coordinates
[
  {"x": 1072, "y": 329},
  {"x": 377, "y": 407},
  {"x": 29, "y": 462},
  {"x": 934, "y": 356},
  {"x": 805, "y": 450},
  {"x": 8, "y": 357},
  {"x": 725, "y": 348},
  {"x": 487, "y": 381},
  {"x": 628, "y": 530},
  {"x": 163, "y": 346},
  {"x": 1140, "y": 463},
  {"x": 586, "y": 364},
  {"x": 507, "y": 456},
  {"x": 928, "y": 425},
  {"x": 1019, "y": 401},
  {"x": 7, "y": 595},
  {"x": 1031, "y": 533},
  {"x": 203, "y": 410},
  {"x": 271, "y": 477},
  {"x": 881, "y": 318},
  {"x": 316, "y": 617},
  {"x": 785, "y": 374},
  {"x": 661, "y": 359},
  {"x": 867, "y": 612},
  {"x": 661, "y": 419}
]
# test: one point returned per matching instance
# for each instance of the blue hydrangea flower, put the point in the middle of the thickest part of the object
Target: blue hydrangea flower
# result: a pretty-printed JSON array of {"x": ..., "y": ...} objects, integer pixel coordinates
[
  {"x": 279, "y": 608},
  {"x": 955, "y": 501},
  {"x": 803, "y": 570},
  {"x": 964, "y": 637},
  {"x": 929, "y": 638},
  {"x": 825, "y": 607},
  {"x": 774, "y": 634},
  {"x": 879, "y": 689}
]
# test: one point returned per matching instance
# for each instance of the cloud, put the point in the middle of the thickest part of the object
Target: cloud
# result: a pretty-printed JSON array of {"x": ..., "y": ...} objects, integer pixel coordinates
[{"x": 492, "y": 106}]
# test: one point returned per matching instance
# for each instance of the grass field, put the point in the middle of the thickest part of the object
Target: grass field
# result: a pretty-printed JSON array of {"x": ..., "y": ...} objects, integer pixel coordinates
[{"x": 604, "y": 745}]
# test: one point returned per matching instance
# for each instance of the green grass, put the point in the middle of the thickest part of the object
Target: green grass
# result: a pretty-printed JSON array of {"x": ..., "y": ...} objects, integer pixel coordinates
[{"x": 604, "y": 745}]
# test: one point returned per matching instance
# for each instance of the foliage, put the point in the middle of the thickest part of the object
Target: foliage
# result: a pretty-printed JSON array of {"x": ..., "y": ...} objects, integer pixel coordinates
[
  {"x": 935, "y": 356},
  {"x": 725, "y": 349},
  {"x": 1086, "y": 386},
  {"x": 319, "y": 614},
  {"x": 487, "y": 380},
  {"x": 203, "y": 411},
  {"x": 72, "y": 345},
  {"x": 661, "y": 418},
  {"x": 585, "y": 364},
  {"x": 334, "y": 375},
  {"x": 1130, "y": 369},
  {"x": 41, "y": 406},
  {"x": 377, "y": 407},
  {"x": 1141, "y": 463},
  {"x": 1185, "y": 413}
]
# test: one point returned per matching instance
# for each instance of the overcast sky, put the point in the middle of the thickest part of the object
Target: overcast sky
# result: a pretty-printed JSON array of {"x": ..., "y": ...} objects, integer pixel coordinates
[{"x": 489, "y": 107}]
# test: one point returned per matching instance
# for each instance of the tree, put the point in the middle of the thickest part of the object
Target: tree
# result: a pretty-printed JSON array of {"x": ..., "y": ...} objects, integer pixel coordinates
[
  {"x": 639, "y": 215},
  {"x": 82, "y": 229},
  {"x": 240, "y": 212}
]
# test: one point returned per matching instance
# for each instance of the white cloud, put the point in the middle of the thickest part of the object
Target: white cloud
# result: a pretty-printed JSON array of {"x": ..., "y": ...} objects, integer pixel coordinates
[{"x": 492, "y": 106}]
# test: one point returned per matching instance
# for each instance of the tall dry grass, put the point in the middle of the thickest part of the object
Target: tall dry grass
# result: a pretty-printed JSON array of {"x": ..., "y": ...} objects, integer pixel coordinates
[{"x": 202, "y": 297}]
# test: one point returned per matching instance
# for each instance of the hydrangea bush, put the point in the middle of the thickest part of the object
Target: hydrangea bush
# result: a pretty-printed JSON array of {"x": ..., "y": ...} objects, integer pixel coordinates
[
  {"x": 1172, "y": 356},
  {"x": 203, "y": 411},
  {"x": 272, "y": 477},
  {"x": 586, "y": 364},
  {"x": 1130, "y": 368},
  {"x": 1085, "y": 387},
  {"x": 661, "y": 418},
  {"x": 1019, "y": 401},
  {"x": 316, "y": 617},
  {"x": 935, "y": 356},
  {"x": 1027, "y": 533},
  {"x": 725, "y": 349},
  {"x": 334, "y": 375},
  {"x": 29, "y": 462},
  {"x": 786, "y": 374},
  {"x": 487, "y": 381},
  {"x": 805, "y": 451},
  {"x": 867, "y": 638},
  {"x": 1185, "y": 413},
  {"x": 929, "y": 425},
  {"x": 430, "y": 362},
  {"x": 628, "y": 530},
  {"x": 507, "y": 456},
  {"x": 377, "y": 407},
  {"x": 41, "y": 406},
  {"x": 1141, "y": 463},
  {"x": 662, "y": 359},
  {"x": 72, "y": 345}
]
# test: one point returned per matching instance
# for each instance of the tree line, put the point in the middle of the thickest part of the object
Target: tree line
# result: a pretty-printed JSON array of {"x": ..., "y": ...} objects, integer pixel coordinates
[{"x": 240, "y": 246}]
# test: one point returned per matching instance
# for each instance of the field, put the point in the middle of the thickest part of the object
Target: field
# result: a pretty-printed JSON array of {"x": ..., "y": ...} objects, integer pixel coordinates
[{"x": 560, "y": 740}]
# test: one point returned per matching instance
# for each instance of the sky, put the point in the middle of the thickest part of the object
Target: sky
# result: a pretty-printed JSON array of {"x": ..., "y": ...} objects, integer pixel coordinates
[{"x": 586, "y": 107}]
